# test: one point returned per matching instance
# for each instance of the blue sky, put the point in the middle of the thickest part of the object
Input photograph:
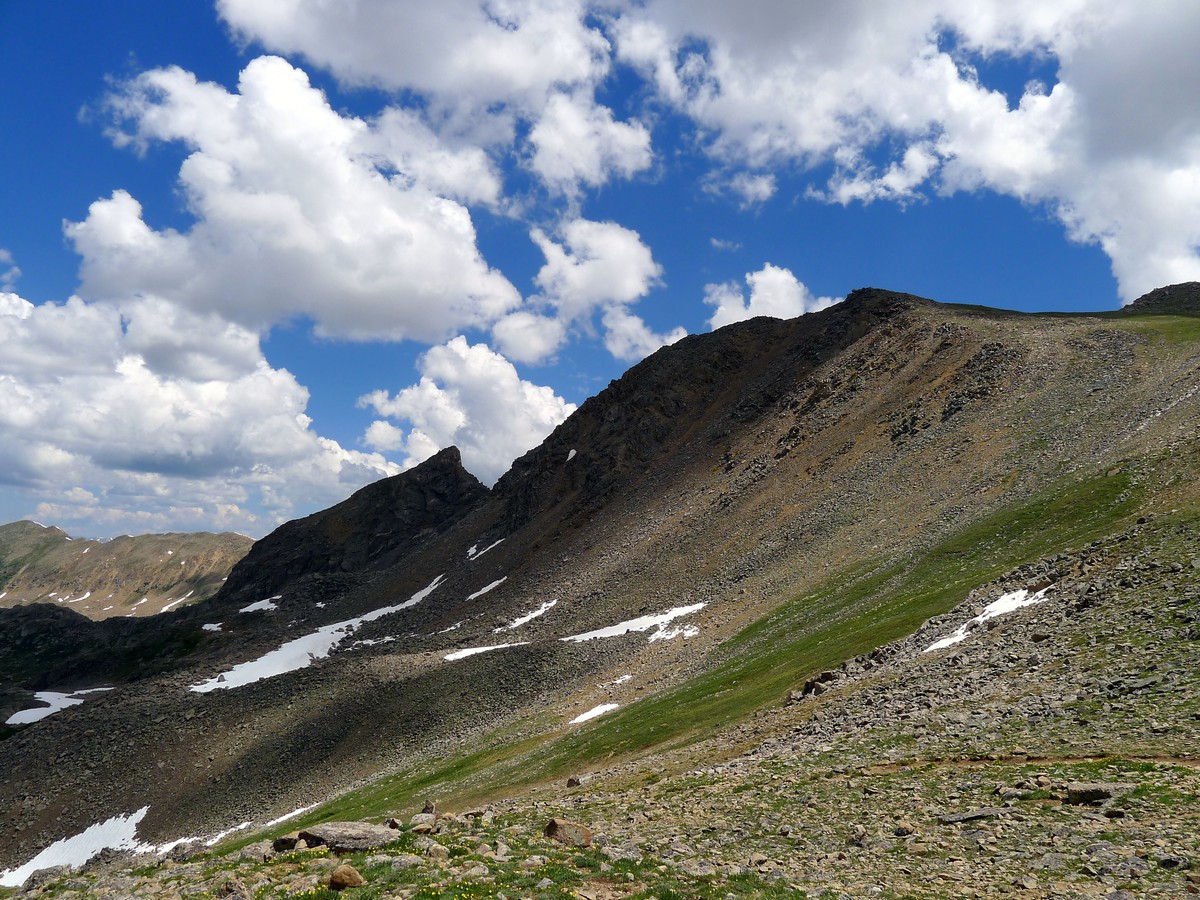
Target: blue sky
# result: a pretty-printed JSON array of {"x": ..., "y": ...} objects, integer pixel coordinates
[{"x": 257, "y": 253}]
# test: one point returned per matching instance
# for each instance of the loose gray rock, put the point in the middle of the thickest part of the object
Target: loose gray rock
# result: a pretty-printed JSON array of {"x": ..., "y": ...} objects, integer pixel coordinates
[
  {"x": 986, "y": 812},
  {"x": 1081, "y": 793},
  {"x": 348, "y": 837}
]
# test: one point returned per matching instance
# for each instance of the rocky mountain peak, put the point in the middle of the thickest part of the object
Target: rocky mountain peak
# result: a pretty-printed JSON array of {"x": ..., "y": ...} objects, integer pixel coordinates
[
  {"x": 370, "y": 530},
  {"x": 1172, "y": 300}
]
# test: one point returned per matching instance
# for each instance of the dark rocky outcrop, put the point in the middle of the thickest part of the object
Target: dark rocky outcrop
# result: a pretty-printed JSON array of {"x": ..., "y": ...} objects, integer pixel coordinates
[
  {"x": 1172, "y": 300},
  {"x": 377, "y": 526}
]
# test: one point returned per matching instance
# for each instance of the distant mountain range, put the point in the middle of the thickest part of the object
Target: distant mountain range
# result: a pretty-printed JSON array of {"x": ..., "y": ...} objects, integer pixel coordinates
[
  {"x": 745, "y": 517},
  {"x": 126, "y": 576}
]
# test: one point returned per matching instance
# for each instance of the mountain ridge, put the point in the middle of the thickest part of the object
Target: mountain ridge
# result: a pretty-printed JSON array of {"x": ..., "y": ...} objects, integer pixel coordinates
[{"x": 794, "y": 452}]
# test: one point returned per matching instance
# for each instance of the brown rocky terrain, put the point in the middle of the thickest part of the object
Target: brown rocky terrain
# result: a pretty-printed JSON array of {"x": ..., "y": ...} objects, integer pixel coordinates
[
  {"x": 824, "y": 486},
  {"x": 126, "y": 576}
]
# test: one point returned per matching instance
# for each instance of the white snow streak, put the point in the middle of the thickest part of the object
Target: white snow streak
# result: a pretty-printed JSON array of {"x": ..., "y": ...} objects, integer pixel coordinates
[
  {"x": 643, "y": 623},
  {"x": 57, "y": 701},
  {"x": 1005, "y": 604},
  {"x": 471, "y": 554},
  {"x": 262, "y": 605},
  {"x": 593, "y": 713},
  {"x": 471, "y": 651},
  {"x": 212, "y": 626},
  {"x": 173, "y": 603},
  {"x": 527, "y": 617},
  {"x": 484, "y": 590}
]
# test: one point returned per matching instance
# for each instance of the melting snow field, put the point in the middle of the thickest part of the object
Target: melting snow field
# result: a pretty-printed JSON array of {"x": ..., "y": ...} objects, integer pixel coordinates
[
  {"x": 1005, "y": 604},
  {"x": 645, "y": 623},
  {"x": 57, "y": 701},
  {"x": 492, "y": 586},
  {"x": 262, "y": 605},
  {"x": 303, "y": 651},
  {"x": 119, "y": 833},
  {"x": 594, "y": 712},
  {"x": 472, "y": 651},
  {"x": 527, "y": 617}
]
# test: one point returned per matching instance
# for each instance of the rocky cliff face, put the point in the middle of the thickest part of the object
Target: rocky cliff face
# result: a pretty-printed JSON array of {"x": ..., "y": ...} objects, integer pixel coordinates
[
  {"x": 695, "y": 499},
  {"x": 372, "y": 530}
]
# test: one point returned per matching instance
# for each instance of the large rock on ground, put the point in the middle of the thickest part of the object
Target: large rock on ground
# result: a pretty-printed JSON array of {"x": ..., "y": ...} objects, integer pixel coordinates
[
  {"x": 349, "y": 837},
  {"x": 571, "y": 833}
]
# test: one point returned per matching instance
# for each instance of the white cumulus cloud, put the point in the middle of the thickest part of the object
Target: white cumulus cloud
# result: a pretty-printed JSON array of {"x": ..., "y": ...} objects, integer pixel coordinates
[
  {"x": 774, "y": 291},
  {"x": 150, "y": 416},
  {"x": 299, "y": 210},
  {"x": 576, "y": 141},
  {"x": 590, "y": 267},
  {"x": 890, "y": 97},
  {"x": 471, "y": 397},
  {"x": 483, "y": 67},
  {"x": 9, "y": 271}
]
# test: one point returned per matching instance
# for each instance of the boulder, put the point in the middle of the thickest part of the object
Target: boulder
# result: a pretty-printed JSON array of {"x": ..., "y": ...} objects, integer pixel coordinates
[
  {"x": 986, "y": 812},
  {"x": 348, "y": 837},
  {"x": 566, "y": 832},
  {"x": 1082, "y": 793},
  {"x": 345, "y": 876}
]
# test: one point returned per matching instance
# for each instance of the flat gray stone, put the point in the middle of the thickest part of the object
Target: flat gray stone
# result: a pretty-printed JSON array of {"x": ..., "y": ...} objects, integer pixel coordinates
[
  {"x": 349, "y": 837},
  {"x": 985, "y": 812}
]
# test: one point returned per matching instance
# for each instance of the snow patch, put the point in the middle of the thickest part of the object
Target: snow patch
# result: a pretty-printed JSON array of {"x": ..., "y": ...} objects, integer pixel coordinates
[
  {"x": 302, "y": 651},
  {"x": 173, "y": 603},
  {"x": 594, "y": 712},
  {"x": 527, "y": 617},
  {"x": 683, "y": 631},
  {"x": 291, "y": 815},
  {"x": 471, "y": 651},
  {"x": 484, "y": 590},
  {"x": 571, "y": 455},
  {"x": 1006, "y": 603},
  {"x": 85, "y": 550},
  {"x": 57, "y": 700},
  {"x": 118, "y": 833},
  {"x": 82, "y": 597},
  {"x": 471, "y": 554},
  {"x": 615, "y": 681},
  {"x": 262, "y": 605},
  {"x": 422, "y": 593},
  {"x": 644, "y": 623},
  {"x": 212, "y": 626}
]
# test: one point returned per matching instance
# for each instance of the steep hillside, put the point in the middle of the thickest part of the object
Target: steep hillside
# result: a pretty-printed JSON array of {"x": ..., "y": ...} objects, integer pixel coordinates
[
  {"x": 737, "y": 513},
  {"x": 127, "y": 576}
]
